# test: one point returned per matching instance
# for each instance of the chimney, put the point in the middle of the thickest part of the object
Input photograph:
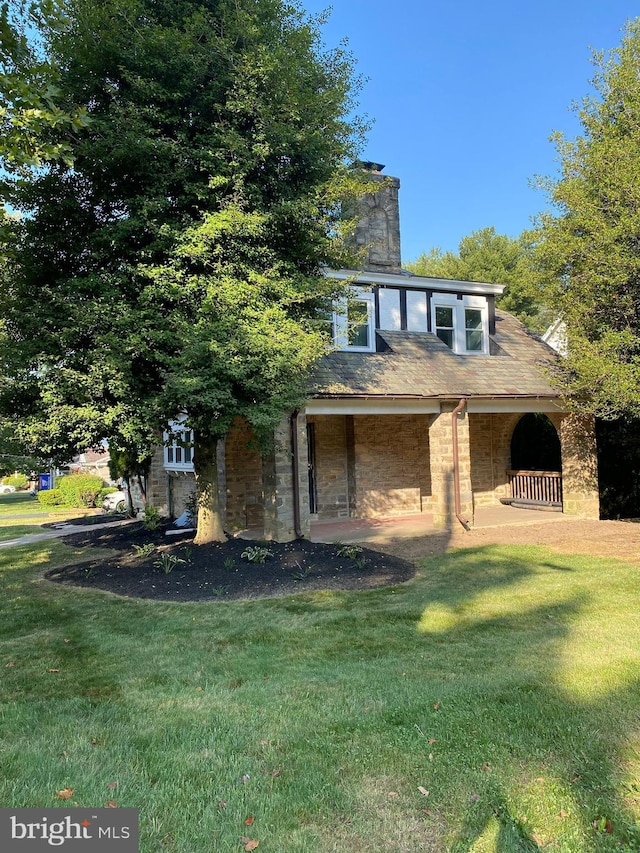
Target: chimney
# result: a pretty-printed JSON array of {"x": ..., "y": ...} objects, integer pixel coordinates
[{"x": 377, "y": 233}]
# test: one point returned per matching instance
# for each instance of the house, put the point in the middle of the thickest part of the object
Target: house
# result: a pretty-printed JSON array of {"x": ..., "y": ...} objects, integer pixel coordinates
[{"x": 433, "y": 402}]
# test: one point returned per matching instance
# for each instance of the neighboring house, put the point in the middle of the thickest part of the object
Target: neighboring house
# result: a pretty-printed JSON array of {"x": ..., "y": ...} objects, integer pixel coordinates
[
  {"x": 556, "y": 336},
  {"x": 430, "y": 400}
]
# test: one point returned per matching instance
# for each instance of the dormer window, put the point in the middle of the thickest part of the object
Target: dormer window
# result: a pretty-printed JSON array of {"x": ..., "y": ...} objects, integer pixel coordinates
[
  {"x": 354, "y": 325},
  {"x": 461, "y": 323}
]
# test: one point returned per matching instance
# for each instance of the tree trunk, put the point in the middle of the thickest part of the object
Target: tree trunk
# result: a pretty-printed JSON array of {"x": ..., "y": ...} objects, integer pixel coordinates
[{"x": 205, "y": 464}]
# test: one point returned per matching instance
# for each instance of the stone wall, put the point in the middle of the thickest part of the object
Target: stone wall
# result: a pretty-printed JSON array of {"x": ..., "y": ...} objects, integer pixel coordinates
[
  {"x": 244, "y": 490},
  {"x": 377, "y": 233},
  {"x": 490, "y": 444},
  {"x": 442, "y": 468},
  {"x": 392, "y": 475},
  {"x": 331, "y": 465}
]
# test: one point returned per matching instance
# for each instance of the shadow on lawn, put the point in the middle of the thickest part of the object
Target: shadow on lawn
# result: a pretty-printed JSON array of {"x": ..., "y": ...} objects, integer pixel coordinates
[{"x": 569, "y": 740}]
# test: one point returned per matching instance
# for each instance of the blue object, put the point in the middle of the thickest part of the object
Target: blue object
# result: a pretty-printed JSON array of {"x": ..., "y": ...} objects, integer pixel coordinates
[{"x": 44, "y": 482}]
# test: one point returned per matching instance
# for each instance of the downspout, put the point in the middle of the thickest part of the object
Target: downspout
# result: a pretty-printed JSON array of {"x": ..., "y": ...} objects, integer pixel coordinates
[
  {"x": 295, "y": 465},
  {"x": 456, "y": 463}
]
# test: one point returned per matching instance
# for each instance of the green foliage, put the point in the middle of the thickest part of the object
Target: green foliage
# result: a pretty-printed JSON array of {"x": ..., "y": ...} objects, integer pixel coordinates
[
  {"x": 497, "y": 259},
  {"x": 151, "y": 518},
  {"x": 256, "y": 554},
  {"x": 30, "y": 97},
  {"x": 184, "y": 269},
  {"x": 589, "y": 243},
  {"x": 51, "y": 497},
  {"x": 81, "y": 490},
  {"x": 18, "y": 481},
  {"x": 168, "y": 562},
  {"x": 145, "y": 550}
]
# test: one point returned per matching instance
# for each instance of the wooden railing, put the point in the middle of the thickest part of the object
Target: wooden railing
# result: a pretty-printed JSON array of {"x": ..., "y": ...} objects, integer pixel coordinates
[{"x": 540, "y": 488}]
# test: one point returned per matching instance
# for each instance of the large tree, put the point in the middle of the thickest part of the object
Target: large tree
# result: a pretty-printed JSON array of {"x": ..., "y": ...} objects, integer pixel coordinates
[
  {"x": 487, "y": 256},
  {"x": 176, "y": 265},
  {"x": 590, "y": 242}
]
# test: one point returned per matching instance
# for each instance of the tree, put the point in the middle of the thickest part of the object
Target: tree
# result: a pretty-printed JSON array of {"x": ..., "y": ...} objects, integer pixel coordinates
[
  {"x": 498, "y": 259},
  {"x": 590, "y": 243},
  {"x": 177, "y": 264},
  {"x": 28, "y": 88}
]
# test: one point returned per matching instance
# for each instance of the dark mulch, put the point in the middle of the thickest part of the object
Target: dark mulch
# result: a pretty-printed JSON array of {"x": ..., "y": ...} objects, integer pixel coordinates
[{"x": 218, "y": 571}]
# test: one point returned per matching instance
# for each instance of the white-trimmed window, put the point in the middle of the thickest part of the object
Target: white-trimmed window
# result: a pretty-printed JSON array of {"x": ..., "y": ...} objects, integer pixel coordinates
[
  {"x": 462, "y": 324},
  {"x": 178, "y": 446},
  {"x": 354, "y": 326}
]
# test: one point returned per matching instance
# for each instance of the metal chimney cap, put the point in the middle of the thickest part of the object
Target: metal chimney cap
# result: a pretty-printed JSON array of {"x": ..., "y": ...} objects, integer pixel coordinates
[{"x": 368, "y": 165}]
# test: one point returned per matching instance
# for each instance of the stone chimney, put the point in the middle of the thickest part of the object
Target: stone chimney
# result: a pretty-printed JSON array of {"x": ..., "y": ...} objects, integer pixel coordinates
[{"x": 377, "y": 233}]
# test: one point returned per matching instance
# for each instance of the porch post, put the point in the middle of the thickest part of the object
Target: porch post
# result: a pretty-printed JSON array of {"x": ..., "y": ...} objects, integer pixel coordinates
[
  {"x": 278, "y": 481},
  {"x": 442, "y": 468},
  {"x": 580, "y": 496}
]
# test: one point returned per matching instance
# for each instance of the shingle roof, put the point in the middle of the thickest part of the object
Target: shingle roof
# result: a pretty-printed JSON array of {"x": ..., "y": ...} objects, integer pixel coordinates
[{"x": 419, "y": 364}]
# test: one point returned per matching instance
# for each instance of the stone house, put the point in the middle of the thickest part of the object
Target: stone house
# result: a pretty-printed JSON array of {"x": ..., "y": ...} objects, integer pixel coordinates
[{"x": 433, "y": 402}]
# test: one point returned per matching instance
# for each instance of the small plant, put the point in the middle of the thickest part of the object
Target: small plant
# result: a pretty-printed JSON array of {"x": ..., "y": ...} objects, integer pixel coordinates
[
  {"x": 360, "y": 562},
  {"x": 168, "y": 562},
  {"x": 302, "y": 573},
  {"x": 151, "y": 518},
  {"x": 219, "y": 591},
  {"x": 256, "y": 554},
  {"x": 351, "y": 552},
  {"x": 143, "y": 551},
  {"x": 187, "y": 552},
  {"x": 229, "y": 564}
]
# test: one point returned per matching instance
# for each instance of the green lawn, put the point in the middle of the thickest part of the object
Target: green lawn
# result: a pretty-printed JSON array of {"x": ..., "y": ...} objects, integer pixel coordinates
[{"x": 492, "y": 704}]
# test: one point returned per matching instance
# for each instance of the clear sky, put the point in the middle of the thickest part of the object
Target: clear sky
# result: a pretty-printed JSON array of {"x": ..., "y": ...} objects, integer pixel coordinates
[{"x": 465, "y": 95}]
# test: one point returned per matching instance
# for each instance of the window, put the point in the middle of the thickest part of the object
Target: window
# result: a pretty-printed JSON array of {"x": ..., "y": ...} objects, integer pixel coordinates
[
  {"x": 462, "y": 324},
  {"x": 444, "y": 324},
  {"x": 178, "y": 447},
  {"x": 353, "y": 326}
]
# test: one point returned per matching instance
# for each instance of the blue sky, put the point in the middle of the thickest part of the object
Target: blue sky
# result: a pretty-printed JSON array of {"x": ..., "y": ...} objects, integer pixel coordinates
[{"x": 465, "y": 95}]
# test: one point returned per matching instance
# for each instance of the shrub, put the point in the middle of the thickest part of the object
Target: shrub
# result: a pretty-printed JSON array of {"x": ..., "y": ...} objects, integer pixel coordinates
[
  {"x": 80, "y": 489},
  {"x": 18, "y": 481},
  {"x": 51, "y": 497},
  {"x": 151, "y": 517}
]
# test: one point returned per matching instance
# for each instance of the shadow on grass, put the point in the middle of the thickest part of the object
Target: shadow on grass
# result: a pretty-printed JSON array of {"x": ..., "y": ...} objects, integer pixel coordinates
[{"x": 577, "y": 736}]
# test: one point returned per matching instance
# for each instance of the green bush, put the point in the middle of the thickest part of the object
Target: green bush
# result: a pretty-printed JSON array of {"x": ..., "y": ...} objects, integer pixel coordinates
[
  {"x": 81, "y": 490},
  {"x": 18, "y": 481},
  {"x": 51, "y": 497}
]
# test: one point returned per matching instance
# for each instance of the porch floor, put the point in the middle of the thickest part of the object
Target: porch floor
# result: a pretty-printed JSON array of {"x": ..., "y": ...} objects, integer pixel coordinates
[{"x": 411, "y": 526}]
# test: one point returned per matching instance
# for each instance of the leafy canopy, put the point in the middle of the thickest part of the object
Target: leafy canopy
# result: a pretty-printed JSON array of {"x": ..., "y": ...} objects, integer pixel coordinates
[
  {"x": 497, "y": 259},
  {"x": 589, "y": 244}
]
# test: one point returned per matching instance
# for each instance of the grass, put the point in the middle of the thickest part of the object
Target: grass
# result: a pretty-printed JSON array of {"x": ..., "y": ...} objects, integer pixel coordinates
[{"x": 504, "y": 682}]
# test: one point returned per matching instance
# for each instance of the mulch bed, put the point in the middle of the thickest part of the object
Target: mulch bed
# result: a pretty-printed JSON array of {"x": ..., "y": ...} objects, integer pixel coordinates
[{"x": 218, "y": 572}]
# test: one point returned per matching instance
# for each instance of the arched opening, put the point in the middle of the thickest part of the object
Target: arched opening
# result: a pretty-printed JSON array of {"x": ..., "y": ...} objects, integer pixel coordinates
[
  {"x": 535, "y": 445},
  {"x": 536, "y": 462}
]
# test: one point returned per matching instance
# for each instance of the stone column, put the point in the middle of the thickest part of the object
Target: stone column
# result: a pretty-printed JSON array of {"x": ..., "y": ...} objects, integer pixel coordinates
[
  {"x": 580, "y": 496},
  {"x": 279, "y": 493},
  {"x": 442, "y": 472}
]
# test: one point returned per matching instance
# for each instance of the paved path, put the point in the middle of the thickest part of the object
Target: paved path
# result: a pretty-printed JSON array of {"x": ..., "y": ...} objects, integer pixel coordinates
[{"x": 62, "y": 529}]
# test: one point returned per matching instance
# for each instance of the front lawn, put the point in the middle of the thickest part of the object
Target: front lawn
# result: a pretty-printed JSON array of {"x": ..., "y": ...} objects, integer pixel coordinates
[
  {"x": 490, "y": 704},
  {"x": 25, "y": 507}
]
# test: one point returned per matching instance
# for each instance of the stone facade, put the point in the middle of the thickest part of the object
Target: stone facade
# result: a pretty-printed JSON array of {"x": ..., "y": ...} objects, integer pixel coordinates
[
  {"x": 377, "y": 234},
  {"x": 442, "y": 468},
  {"x": 280, "y": 488},
  {"x": 244, "y": 488},
  {"x": 368, "y": 466}
]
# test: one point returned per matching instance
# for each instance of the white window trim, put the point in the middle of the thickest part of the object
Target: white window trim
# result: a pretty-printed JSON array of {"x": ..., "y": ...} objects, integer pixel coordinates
[
  {"x": 450, "y": 300},
  {"x": 171, "y": 439},
  {"x": 340, "y": 322}
]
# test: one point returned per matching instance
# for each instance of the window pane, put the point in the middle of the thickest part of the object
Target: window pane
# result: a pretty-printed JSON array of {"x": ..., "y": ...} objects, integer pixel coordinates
[
  {"x": 444, "y": 317},
  {"x": 446, "y": 335},
  {"x": 358, "y": 323},
  {"x": 169, "y": 454},
  {"x": 474, "y": 341},
  {"x": 178, "y": 454},
  {"x": 473, "y": 318}
]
